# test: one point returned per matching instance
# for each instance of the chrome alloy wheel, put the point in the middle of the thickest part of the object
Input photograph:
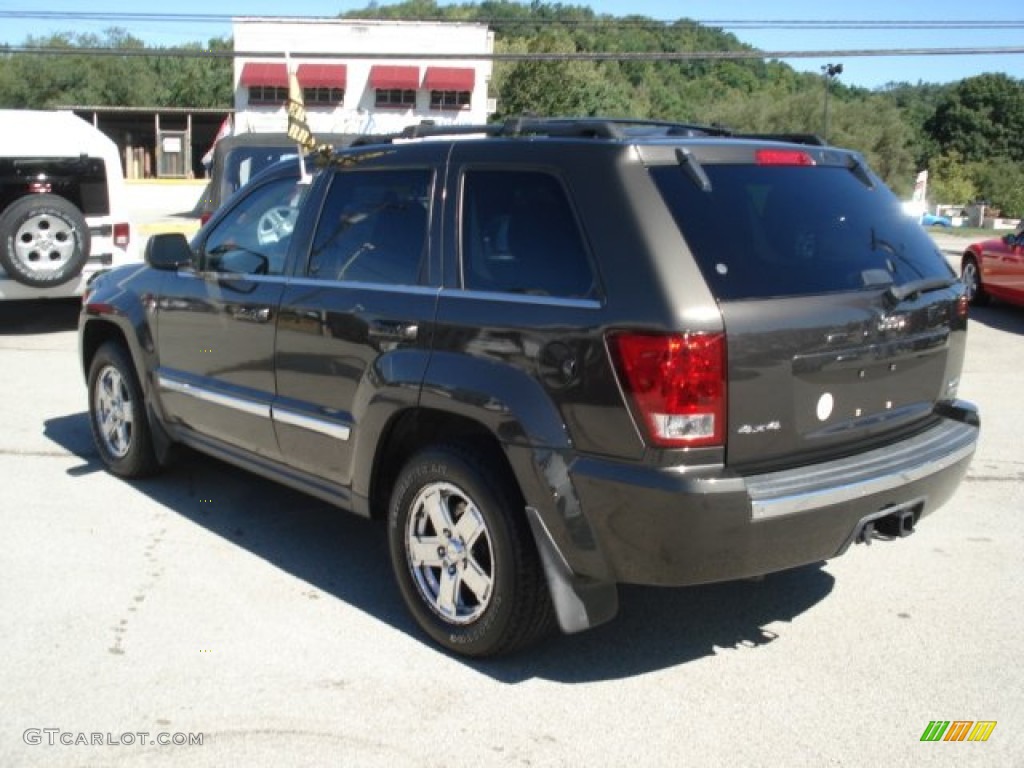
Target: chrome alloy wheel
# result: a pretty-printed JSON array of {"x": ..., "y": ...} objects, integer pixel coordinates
[
  {"x": 113, "y": 412},
  {"x": 44, "y": 242},
  {"x": 450, "y": 554},
  {"x": 970, "y": 279}
]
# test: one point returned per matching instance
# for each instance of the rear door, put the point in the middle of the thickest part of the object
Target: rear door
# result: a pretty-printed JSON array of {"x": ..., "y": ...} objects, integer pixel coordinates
[
  {"x": 356, "y": 323},
  {"x": 843, "y": 319}
]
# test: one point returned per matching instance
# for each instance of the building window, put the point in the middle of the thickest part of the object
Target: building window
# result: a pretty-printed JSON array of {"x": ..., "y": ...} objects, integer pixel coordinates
[
  {"x": 267, "y": 94},
  {"x": 449, "y": 99},
  {"x": 323, "y": 96},
  {"x": 394, "y": 97}
]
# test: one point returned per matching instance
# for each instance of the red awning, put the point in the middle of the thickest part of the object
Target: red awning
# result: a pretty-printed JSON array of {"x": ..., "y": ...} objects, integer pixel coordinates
[
  {"x": 395, "y": 78},
  {"x": 449, "y": 79},
  {"x": 271, "y": 73},
  {"x": 322, "y": 75}
]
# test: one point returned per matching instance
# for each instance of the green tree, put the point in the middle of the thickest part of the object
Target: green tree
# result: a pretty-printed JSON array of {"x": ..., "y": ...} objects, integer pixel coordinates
[
  {"x": 950, "y": 180},
  {"x": 574, "y": 88},
  {"x": 1001, "y": 183},
  {"x": 980, "y": 118}
]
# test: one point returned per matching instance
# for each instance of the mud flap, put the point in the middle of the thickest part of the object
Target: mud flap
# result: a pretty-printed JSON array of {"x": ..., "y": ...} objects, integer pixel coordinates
[{"x": 580, "y": 603}]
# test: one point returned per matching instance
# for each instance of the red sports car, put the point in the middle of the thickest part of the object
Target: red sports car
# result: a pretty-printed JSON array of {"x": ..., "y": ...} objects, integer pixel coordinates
[{"x": 995, "y": 268}]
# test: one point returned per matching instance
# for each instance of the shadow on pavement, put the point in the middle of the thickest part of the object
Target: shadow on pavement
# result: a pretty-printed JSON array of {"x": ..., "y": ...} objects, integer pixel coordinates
[
  {"x": 28, "y": 317},
  {"x": 346, "y": 556},
  {"x": 1000, "y": 317}
]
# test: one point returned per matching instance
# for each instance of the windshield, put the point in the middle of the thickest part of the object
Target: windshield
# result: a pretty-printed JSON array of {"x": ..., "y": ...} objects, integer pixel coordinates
[{"x": 763, "y": 231}]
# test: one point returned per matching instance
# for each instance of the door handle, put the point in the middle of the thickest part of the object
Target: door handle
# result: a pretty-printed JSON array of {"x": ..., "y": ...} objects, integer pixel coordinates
[{"x": 386, "y": 331}]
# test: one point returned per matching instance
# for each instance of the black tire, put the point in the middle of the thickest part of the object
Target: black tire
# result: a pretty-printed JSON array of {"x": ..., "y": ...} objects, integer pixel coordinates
[
  {"x": 44, "y": 241},
  {"x": 971, "y": 277},
  {"x": 117, "y": 414},
  {"x": 477, "y": 496}
]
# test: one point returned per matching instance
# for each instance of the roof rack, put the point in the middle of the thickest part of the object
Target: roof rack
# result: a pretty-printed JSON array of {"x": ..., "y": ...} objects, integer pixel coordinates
[
  {"x": 811, "y": 139},
  {"x": 613, "y": 128},
  {"x": 587, "y": 127}
]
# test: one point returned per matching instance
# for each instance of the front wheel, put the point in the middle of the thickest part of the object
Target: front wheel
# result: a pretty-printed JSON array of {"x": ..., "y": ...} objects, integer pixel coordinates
[
  {"x": 463, "y": 555},
  {"x": 971, "y": 277},
  {"x": 117, "y": 414}
]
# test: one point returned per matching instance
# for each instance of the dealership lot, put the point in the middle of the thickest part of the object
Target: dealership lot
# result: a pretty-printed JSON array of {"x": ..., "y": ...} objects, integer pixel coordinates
[{"x": 207, "y": 601}]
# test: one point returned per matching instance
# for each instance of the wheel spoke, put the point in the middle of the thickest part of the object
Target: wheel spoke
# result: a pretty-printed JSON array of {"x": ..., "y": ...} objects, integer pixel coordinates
[
  {"x": 470, "y": 525},
  {"x": 477, "y": 580},
  {"x": 436, "y": 507},
  {"x": 107, "y": 426},
  {"x": 447, "y": 592},
  {"x": 121, "y": 436},
  {"x": 426, "y": 551}
]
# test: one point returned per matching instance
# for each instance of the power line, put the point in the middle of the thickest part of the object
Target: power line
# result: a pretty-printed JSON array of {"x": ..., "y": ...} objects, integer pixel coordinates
[
  {"x": 603, "y": 20},
  {"x": 193, "y": 53}
]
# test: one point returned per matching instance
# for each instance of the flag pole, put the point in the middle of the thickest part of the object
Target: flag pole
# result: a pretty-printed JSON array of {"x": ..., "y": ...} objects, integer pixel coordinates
[{"x": 298, "y": 127}]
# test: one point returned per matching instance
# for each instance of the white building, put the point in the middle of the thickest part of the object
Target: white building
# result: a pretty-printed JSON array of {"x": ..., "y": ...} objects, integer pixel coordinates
[{"x": 349, "y": 94}]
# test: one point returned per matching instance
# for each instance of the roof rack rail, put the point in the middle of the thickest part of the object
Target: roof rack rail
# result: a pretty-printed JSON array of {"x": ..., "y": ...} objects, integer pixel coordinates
[
  {"x": 528, "y": 125},
  {"x": 811, "y": 139}
]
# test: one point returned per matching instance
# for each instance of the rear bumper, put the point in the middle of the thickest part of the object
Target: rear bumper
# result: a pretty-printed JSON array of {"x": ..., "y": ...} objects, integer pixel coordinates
[
  {"x": 12, "y": 290},
  {"x": 677, "y": 526}
]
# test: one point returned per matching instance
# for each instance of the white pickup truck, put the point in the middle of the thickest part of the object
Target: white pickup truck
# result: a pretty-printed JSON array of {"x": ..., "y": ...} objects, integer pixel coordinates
[{"x": 63, "y": 205}]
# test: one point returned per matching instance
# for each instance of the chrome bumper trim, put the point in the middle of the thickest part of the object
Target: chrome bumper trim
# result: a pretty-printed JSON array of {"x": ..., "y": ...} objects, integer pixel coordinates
[{"x": 790, "y": 492}]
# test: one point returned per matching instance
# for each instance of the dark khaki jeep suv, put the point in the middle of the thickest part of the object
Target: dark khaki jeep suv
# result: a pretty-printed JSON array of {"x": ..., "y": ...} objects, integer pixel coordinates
[{"x": 555, "y": 356}]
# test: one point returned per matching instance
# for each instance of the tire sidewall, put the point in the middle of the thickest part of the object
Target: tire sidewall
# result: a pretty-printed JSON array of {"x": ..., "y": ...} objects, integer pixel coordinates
[
  {"x": 136, "y": 461},
  {"x": 978, "y": 297},
  {"x": 25, "y": 208},
  {"x": 485, "y": 634}
]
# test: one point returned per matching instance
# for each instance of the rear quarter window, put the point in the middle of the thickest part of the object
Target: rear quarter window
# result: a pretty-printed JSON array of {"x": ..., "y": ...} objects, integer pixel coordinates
[
  {"x": 520, "y": 235},
  {"x": 764, "y": 231}
]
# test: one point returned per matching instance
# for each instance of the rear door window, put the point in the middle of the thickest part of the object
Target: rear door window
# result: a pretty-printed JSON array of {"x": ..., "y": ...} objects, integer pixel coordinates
[{"x": 764, "y": 231}]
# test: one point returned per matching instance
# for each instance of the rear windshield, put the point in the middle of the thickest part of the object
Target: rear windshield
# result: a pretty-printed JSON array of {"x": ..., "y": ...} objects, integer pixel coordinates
[
  {"x": 765, "y": 231},
  {"x": 81, "y": 180},
  {"x": 245, "y": 162}
]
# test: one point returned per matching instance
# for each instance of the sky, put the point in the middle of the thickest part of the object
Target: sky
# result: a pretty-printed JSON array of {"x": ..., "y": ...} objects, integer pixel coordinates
[{"x": 867, "y": 72}]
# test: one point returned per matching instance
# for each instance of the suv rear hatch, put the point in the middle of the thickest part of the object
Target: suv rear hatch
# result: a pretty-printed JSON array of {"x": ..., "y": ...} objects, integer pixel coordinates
[{"x": 843, "y": 320}]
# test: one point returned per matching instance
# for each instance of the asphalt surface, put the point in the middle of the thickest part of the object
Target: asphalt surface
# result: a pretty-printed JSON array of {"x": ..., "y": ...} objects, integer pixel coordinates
[{"x": 210, "y": 602}]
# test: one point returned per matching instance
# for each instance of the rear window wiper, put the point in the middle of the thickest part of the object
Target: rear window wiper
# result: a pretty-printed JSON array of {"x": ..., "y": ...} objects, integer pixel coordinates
[
  {"x": 899, "y": 293},
  {"x": 694, "y": 170}
]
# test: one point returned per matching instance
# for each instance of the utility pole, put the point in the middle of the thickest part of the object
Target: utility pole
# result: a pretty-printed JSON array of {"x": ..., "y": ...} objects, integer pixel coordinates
[{"x": 829, "y": 72}]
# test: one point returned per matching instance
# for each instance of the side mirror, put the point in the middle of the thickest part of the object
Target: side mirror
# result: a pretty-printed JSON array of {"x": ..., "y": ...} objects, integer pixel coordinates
[{"x": 169, "y": 251}]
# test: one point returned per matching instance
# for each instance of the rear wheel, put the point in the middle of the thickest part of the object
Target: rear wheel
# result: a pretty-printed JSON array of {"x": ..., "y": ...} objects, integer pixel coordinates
[
  {"x": 44, "y": 241},
  {"x": 463, "y": 555},
  {"x": 971, "y": 276},
  {"x": 117, "y": 414}
]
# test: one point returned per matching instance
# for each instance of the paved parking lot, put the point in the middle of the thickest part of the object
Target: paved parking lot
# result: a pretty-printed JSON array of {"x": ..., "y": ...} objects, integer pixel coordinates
[{"x": 209, "y": 602}]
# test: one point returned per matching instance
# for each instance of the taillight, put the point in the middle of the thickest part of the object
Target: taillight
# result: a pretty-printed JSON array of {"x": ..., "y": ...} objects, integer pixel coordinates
[
  {"x": 677, "y": 383},
  {"x": 783, "y": 157},
  {"x": 122, "y": 234},
  {"x": 962, "y": 304}
]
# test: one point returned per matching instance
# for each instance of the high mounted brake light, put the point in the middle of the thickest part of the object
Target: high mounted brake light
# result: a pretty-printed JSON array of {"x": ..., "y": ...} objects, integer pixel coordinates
[
  {"x": 677, "y": 383},
  {"x": 783, "y": 157}
]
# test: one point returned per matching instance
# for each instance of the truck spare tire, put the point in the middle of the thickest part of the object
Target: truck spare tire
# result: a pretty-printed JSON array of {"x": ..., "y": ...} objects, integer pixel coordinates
[{"x": 44, "y": 241}]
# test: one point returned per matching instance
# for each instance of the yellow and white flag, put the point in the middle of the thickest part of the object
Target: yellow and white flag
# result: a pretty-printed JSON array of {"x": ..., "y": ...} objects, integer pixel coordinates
[{"x": 298, "y": 126}]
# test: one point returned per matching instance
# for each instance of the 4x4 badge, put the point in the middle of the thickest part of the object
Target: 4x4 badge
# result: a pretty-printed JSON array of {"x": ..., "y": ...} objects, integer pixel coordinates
[{"x": 756, "y": 429}]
